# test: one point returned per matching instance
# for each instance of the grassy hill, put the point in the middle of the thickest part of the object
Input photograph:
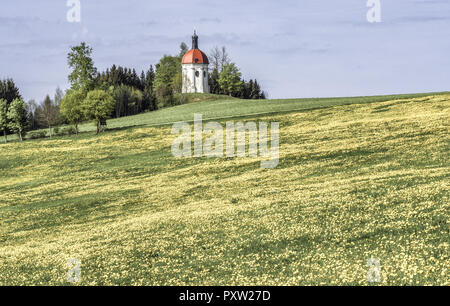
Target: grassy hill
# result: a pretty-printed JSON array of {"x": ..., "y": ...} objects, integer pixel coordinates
[
  {"x": 219, "y": 106},
  {"x": 358, "y": 178}
]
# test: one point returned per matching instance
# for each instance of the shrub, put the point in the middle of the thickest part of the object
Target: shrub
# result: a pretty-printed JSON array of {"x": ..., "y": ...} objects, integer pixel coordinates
[
  {"x": 37, "y": 134},
  {"x": 180, "y": 99},
  {"x": 70, "y": 130}
]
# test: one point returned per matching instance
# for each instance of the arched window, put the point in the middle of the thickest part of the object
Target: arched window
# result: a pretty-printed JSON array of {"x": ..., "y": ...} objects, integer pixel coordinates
[
  {"x": 204, "y": 74},
  {"x": 197, "y": 74}
]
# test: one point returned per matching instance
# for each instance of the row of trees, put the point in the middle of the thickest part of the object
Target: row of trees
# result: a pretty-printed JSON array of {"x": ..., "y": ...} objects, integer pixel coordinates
[
  {"x": 133, "y": 94},
  {"x": 86, "y": 100},
  {"x": 13, "y": 110},
  {"x": 16, "y": 116},
  {"x": 226, "y": 78},
  {"x": 13, "y": 116}
]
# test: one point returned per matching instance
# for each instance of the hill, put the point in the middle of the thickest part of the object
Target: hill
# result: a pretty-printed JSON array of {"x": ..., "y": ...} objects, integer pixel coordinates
[
  {"x": 219, "y": 106},
  {"x": 357, "y": 179}
]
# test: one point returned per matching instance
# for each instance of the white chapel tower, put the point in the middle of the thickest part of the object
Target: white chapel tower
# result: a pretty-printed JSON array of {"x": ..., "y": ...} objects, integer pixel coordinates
[{"x": 195, "y": 69}]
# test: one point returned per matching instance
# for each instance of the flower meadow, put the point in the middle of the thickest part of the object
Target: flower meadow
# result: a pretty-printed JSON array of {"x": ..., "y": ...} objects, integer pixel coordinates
[{"x": 353, "y": 182}]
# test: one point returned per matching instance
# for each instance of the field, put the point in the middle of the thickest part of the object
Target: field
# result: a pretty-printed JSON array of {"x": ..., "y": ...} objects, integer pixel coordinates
[{"x": 358, "y": 178}]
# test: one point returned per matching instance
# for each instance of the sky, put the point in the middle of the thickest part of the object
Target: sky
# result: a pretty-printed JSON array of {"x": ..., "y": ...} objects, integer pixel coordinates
[{"x": 303, "y": 48}]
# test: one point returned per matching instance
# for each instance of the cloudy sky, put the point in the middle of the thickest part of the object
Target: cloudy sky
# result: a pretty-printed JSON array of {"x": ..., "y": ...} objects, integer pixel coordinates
[{"x": 302, "y": 48}]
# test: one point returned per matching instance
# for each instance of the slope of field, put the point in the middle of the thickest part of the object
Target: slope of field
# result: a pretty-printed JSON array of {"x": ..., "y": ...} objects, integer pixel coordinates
[
  {"x": 354, "y": 182},
  {"x": 215, "y": 106},
  {"x": 219, "y": 106}
]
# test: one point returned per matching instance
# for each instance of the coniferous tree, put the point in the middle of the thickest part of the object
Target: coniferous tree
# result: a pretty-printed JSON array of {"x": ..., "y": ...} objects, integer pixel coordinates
[
  {"x": 9, "y": 90},
  {"x": 149, "y": 95}
]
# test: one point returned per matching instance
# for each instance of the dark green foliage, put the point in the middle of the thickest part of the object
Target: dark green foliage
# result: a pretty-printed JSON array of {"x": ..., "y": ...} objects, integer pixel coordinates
[
  {"x": 9, "y": 90},
  {"x": 121, "y": 78},
  {"x": 149, "y": 102},
  {"x": 214, "y": 86},
  {"x": 164, "y": 95},
  {"x": 129, "y": 101}
]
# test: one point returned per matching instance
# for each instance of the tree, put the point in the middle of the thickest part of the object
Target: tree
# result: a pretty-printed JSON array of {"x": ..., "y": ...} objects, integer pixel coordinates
[
  {"x": 164, "y": 87},
  {"x": 98, "y": 105},
  {"x": 18, "y": 117},
  {"x": 48, "y": 114},
  {"x": 83, "y": 71},
  {"x": 214, "y": 86},
  {"x": 71, "y": 107},
  {"x": 128, "y": 101},
  {"x": 149, "y": 95},
  {"x": 177, "y": 82},
  {"x": 224, "y": 58},
  {"x": 166, "y": 70},
  {"x": 219, "y": 58},
  {"x": 183, "y": 50},
  {"x": 4, "y": 117},
  {"x": 164, "y": 96},
  {"x": 230, "y": 79},
  {"x": 32, "y": 108},
  {"x": 59, "y": 94},
  {"x": 9, "y": 91}
]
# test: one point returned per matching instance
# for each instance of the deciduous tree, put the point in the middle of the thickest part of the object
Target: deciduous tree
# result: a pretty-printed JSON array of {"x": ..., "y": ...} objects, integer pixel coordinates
[
  {"x": 98, "y": 105},
  {"x": 4, "y": 117},
  {"x": 71, "y": 107},
  {"x": 18, "y": 117},
  {"x": 230, "y": 79},
  {"x": 83, "y": 70},
  {"x": 48, "y": 114}
]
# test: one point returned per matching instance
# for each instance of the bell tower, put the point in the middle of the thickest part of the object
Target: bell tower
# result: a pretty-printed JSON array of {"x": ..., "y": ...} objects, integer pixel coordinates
[{"x": 194, "y": 67}]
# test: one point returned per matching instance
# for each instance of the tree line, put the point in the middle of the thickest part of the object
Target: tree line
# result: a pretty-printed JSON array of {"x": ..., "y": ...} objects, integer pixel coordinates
[
  {"x": 116, "y": 92},
  {"x": 226, "y": 78}
]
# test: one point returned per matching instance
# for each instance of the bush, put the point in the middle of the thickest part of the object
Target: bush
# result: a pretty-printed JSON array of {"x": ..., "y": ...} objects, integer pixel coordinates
[
  {"x": 180, "y": 99},
  {"x": 70, "y": 130},
  {"x": 37, "y": 134},
  {"x": 56, "y": 130}
]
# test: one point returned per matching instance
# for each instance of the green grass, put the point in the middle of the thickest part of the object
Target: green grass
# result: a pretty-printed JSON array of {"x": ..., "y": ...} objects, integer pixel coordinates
[
  {"x": 358, "y": 178},
  {"x": 218, "y": 106}
]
